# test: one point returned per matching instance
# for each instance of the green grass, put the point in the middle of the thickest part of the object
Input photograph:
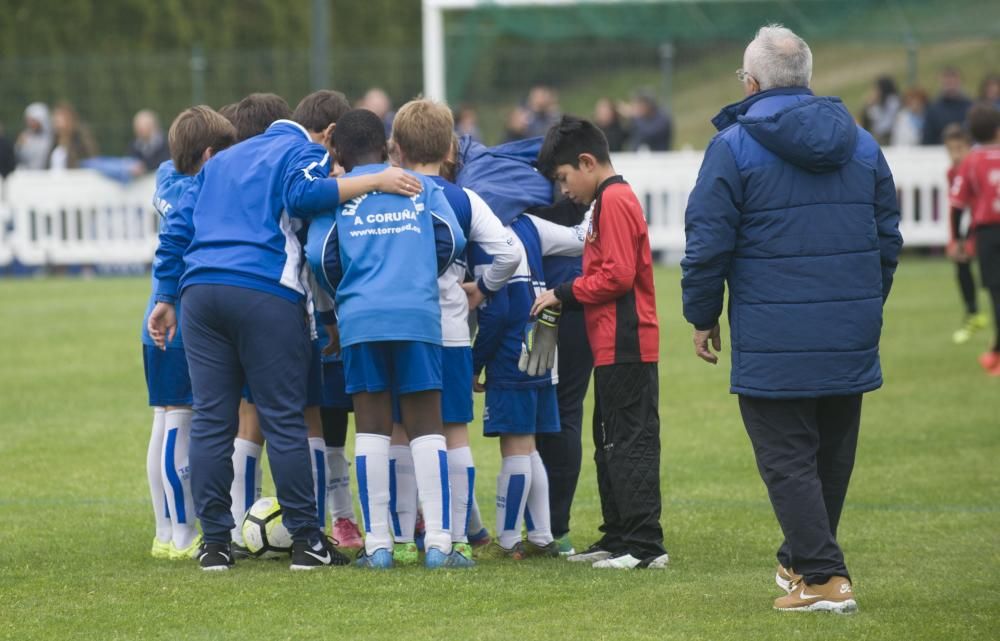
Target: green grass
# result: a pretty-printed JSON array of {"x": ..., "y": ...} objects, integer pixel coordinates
[{"x": 920, "y": 529}]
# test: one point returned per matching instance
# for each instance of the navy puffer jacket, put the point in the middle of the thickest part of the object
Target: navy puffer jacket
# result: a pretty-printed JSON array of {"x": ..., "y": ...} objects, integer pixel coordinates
[{"x": 795, "y": 208}]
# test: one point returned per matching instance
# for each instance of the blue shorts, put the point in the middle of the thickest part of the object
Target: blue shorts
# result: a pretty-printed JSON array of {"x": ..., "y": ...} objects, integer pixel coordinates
[
  {"x": 456, "y": 388},
  {"x": 314, "y": 386},
  {"x": 335, "y": 387},
  {"x": 167, "y": 377},
  {"x": 400, "y": 367},
  {"x": 521, "y": 411}
]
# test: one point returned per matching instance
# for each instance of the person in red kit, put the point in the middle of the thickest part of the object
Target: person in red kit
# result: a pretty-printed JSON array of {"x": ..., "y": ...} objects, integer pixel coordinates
[
  {"x": 977, "y": 187},
  {"x": 619, "y": 303}
]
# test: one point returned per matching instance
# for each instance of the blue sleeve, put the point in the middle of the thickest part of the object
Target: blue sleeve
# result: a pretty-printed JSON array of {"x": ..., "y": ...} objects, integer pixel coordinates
[
  {"x": 176, "y": 234},
  {"x": 710, "y": 225},
  {"x": 448, "y": 236},
  {"x": 890, "y": 241},
  {"x": 492, "y": 319},
  {"x": 308, "y": 190},
  {"x": 323, "y": 254}
]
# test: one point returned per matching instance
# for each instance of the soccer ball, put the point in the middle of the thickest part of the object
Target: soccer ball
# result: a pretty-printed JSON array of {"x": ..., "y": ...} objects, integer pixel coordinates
[{"x": 264, "y": 535}]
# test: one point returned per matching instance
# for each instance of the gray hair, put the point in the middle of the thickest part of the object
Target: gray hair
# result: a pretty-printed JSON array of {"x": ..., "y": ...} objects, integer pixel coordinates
[{"x": 778, "y": 58}]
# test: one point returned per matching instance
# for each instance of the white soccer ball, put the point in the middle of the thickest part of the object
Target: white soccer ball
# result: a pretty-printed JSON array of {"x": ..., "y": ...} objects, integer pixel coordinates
[{"x": 264, "y": 535}]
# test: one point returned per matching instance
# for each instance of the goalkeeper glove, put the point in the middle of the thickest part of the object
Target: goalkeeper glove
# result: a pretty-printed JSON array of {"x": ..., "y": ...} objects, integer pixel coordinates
[{"x": 538, "y": 349}]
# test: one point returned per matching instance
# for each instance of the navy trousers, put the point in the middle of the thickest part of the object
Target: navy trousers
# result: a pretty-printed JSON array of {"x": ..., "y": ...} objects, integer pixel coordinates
[
  {"x": 562, "y": 452},
  {"x": 232, "y": 335}
]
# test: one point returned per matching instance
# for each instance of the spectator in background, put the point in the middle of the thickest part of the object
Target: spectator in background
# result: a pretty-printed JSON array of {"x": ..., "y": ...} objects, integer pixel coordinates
[
  {"x": 377, "y": 101},
  {"x": 989, "y": 90},
  {"x": 34, "y": 144},
  {"x": 8, "y": 161},
  {"x": 881, "y": 109},
  {"x": 150, "y": 145},
  {"x": 467, "y": 123},
  {"x": 606, "y": 117},
  {"x": 517, "y": 124},
  {"x": 73, "y": 140},
  {"x": 543, "y": 110},
  {"x": 950, "y": 106},
  {"x": 908, "y": 129},
  {"x": 652, "y": 128}
]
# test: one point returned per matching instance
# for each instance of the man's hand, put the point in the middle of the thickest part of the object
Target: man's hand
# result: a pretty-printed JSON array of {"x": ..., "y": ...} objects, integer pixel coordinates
[
  {"x": 477, "y": 386},
  {"x": 545, "y": 299},
  {"x": 398, "y": 181},
  {"x": 701, "y": 338},
  {"x": 476, "y": 295},
  {"x": 333, "y": 347},
  {"x": 162, "y": 324}
]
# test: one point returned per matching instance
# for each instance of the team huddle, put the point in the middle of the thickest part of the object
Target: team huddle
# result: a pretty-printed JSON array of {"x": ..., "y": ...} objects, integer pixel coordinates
[{"x": 312, "y": 264}]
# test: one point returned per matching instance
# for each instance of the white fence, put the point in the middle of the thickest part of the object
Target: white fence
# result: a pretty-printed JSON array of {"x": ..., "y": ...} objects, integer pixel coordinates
[{"x": 82, "y": 218}]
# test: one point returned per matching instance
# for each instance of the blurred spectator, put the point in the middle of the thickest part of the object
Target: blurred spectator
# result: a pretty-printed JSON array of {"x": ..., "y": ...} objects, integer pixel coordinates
[
  {"x": 606, "y": 117},
  {"x": 517, "y": 124},
  {"x": 543, "y": 110},
  {"x": 950, "y": 106},
  {"x": 908, "y": 130},
  {"x": 150, "y": 145},
  {"x": 652, "y": 128},
  {"x": 8, "y": 161},
  {"x": 377, "y": 101},
  {"x": 73, "y": 140},
  {"x": 881, "y": 109},
  {"x": 467, "y": 123},
  {"x": 35, "y": 142},
  {"x": 989, "y": 89}
]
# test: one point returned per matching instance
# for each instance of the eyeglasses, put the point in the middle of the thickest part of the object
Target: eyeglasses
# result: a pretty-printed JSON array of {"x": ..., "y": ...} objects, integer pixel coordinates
[{"x": 743, "y": 75}]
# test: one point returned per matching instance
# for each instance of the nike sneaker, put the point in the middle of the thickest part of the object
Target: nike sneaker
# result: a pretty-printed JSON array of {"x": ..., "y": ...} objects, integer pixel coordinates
[
  {"x": 565, "y": 546},
  {"x": 160, "y": 549},
  {"x": 320, "y": 553},
  {"x": 214, "y": 557},
  {"x": 480, "y": 538},
  {"x": 973, "y": 323},
  {"x": 549, "y": 550},
  {"x": 785, "y": 578},
  {"x": 240, "y": 551},
  {"x": 380, "y": 559},
  {"x": 435, "y": 558},
  {"x": 406, "y": 553},
  {"x": 464, "y": 549},
  {"x": 626, "y": 561},
  {"x": 190, "y": 552},
  {"x": 836, "y": 595},
  {"x": 496, "y": 551},
  {"x": 594, "y": 553},
  {"x": 347, "y": 534}
]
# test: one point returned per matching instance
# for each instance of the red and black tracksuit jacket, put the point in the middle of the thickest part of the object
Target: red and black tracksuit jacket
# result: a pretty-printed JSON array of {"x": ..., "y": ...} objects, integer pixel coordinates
[{"x": 616, "y": 288}]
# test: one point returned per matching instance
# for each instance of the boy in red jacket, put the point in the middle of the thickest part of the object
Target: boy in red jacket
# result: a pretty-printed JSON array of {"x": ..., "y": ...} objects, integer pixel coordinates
[{"x": 619, "y": 303}]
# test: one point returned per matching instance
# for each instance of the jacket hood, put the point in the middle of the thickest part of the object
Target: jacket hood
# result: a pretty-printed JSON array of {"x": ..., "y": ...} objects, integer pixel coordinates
[{"x": 815, "y": 133}]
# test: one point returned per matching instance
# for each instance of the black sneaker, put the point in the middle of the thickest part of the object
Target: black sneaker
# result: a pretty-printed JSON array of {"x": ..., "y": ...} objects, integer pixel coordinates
[
  {"x": 215, "y": 556},
  {"x": 594, "y": 553},
  {"x": 306, "y": 556},
  {"x": 240, "y": 551}
]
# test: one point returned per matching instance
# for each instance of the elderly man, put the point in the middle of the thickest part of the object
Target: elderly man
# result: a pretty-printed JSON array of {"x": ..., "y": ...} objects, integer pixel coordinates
[
  {"x": 150, "y": 145},
  {"x": 796, "y": 210}
]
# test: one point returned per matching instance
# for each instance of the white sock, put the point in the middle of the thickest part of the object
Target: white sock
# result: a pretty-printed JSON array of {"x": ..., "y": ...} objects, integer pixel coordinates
[
  {"x": 371, "y": 462},
  {"x": 317, "y": 456},
  {"x": 536, "y": 512},
  {"x": 475, "y": 517},
  {"x": 339, "y": 502},
  {"x": 247, "y": 473},
  {"x": 154, "y": 474},
  {"x": 402, "y": 493},
  {"x": 430, "y": 466},
  {"x": 177, "y": 476},
  {"x": 462, "y": 475},
  {"x": 513, "y": 485}
]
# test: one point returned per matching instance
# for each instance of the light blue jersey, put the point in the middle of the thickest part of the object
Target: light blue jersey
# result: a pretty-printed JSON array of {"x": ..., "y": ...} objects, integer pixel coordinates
[
  {"x": 379, "y": 256},
  {"x": 170, "y": 186}
]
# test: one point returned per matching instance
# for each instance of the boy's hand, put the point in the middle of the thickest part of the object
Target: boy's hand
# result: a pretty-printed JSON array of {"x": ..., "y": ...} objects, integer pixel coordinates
[
  {"x": 398, "y": 181},
  {"x": 162, "y": 324},
  {"x": 476, "y": 296},
  {"x": 333, "y": 347},
  {"x": 701, "y": 339},
  {"x": 545, "y": 299},
  {"x": 477, "y": 386}
]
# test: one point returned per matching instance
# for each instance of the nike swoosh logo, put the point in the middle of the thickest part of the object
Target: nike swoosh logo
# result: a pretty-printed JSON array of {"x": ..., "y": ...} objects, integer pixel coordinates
[
  {"x": 326, "y": 558},
  {"x": 803, "y": 595}
]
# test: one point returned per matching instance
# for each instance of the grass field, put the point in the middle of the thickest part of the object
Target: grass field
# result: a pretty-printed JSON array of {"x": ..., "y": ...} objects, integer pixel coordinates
[{"x": 920, "y": 529}]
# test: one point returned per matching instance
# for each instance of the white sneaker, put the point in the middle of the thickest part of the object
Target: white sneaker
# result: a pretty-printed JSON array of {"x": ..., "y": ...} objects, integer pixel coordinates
[
  {"x": 590, "y": 555},
  {"x": 628, "y": 562}
]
